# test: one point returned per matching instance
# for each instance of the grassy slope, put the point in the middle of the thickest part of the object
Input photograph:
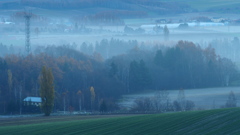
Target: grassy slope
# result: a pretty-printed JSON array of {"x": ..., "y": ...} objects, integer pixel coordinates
[{"x": 223, "y": 121}]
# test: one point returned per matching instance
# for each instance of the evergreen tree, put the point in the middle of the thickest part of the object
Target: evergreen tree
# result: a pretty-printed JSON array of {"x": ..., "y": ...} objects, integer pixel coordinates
[
  {"x": 103, "y": 106},
  {"x": 140, "y": 77},
  {"x": 134, "y": 75},
  {"x": 166, "y": 33},
  {"x": 47, "y": 90},
  {"x": 159, "y": 59},
  {"x": 10, "y": 82},
  {"x": 113, "y": 69},
  {"x": 145, "y": 79}
]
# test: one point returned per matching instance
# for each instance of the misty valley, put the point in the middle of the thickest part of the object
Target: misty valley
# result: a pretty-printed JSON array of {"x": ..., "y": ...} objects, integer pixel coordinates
[
  {"x": 111, "y": 60},
  {"x": 115, "y": 68}
]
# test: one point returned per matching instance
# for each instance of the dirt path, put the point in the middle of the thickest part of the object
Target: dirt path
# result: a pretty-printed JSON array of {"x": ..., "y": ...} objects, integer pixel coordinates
[{"x": 43, "y": 119}]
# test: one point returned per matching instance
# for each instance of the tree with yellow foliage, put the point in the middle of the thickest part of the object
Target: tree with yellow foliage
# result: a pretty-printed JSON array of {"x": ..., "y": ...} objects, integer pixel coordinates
[
  {"x": 47, "y": 90},
  {"x": 93, "y": 95}
]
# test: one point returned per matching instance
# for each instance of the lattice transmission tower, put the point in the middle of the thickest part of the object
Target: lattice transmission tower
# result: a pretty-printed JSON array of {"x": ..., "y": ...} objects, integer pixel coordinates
[{"x": 27, "y": 16}]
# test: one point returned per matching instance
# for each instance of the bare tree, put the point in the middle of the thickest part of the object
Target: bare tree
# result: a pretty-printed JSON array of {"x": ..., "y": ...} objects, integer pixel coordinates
[
  {"x": 161, "y": 101},
  {"x": 181, "y": 104},
  {"x": 181, "y": 100},
  {"x": 189, "y": 105},
  {"x": 232, "y": 101},
  {"x": 142, "y": 104}
]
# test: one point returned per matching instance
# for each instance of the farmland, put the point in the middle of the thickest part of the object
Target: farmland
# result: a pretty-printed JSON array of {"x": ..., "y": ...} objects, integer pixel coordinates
[
  {"x": 197, "y": 35},
  {"x": 222, "y": 121}
]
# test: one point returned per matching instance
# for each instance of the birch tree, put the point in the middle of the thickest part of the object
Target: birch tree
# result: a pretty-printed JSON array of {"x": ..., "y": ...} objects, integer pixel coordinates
[
  {"x": 79, "y": 93},
  {"x": 10, "y": 82},
  {"x": 93, "y": 95}
]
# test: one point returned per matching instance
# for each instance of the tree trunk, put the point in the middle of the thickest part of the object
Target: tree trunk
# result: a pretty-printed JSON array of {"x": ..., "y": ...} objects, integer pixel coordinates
[
  {"x": 80, "y": 105},
  {"x": 64, "y": 105}
]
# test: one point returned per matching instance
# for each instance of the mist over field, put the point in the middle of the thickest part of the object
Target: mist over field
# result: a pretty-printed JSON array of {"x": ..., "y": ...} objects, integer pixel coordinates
[{"x": 120, "y": 56}]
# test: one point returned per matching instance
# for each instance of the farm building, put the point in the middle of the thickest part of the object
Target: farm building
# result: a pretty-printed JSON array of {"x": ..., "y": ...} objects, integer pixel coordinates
[
  {"x": 32, "y": 101},
  {"x": 218, "y": 19},
  {"x": 163, "y": 21}
]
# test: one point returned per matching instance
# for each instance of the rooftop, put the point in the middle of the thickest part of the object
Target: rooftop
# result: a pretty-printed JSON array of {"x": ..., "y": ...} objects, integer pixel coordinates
[{"x": 33, "y": 99}]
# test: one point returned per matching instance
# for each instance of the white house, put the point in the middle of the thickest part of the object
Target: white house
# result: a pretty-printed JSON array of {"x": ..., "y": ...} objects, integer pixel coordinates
[
  {"x": 218, "y": 19},
  {"x": 32, "y": 101},
  {"x": 163, "y": 21}
]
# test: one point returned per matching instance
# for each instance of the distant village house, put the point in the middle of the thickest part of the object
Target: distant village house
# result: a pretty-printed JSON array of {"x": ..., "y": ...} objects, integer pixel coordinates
[
  {"x": 163, "y": 21},
  {"x": 218, "y": 19}
]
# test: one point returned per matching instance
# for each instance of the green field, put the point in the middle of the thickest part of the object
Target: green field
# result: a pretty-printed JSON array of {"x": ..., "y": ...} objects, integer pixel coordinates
[{"x": 222, "y": 121}]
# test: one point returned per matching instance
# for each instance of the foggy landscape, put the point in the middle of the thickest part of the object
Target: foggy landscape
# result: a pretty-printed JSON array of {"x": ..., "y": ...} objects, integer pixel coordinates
[
  {"x": 208, "y": 98},
  {"x": 75, "y": 60}
]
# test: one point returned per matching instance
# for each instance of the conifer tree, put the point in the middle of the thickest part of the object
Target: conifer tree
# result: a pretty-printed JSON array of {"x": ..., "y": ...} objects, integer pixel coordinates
[
  {"x": 166, "y": 33},
  {"x": 103, "y": 106},
  {"x": 10, "y": 82}
]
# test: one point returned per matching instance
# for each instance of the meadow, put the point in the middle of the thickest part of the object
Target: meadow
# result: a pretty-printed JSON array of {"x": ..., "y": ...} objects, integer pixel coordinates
[
  {"x": 221, "y": 121},
  {"x": 205, "y": 98},
  {"x": 193, "y": 34}
]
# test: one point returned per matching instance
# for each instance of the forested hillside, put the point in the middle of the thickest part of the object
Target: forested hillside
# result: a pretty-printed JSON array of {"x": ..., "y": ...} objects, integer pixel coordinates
[{"x": 162, "y": 68}]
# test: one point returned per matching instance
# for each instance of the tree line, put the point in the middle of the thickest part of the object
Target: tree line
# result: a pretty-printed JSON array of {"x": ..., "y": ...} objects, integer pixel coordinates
[
  {"x": 161, "y": 102},
  {"x": 183, "y": 66},
  {"x": 88, "y": 82}
]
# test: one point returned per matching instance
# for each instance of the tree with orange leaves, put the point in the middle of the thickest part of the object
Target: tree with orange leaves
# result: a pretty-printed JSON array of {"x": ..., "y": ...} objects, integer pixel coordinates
[{"x": 93, "y": 95}]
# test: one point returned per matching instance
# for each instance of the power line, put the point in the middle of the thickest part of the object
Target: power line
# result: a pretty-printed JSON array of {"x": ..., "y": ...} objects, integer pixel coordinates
[{"x": 27, "y": 17}]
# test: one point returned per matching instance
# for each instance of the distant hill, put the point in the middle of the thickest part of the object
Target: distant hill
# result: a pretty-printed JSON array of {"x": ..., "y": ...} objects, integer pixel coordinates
[
  {"x": 122, "y": 7},
  {"x": 128, "y": 8},
  {"x": 222, "y": 6},
  {"x": 10, "y": 4}
]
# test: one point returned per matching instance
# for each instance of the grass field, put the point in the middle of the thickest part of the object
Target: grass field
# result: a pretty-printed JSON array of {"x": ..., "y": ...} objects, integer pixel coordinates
[{"x": 222, "y": 121}]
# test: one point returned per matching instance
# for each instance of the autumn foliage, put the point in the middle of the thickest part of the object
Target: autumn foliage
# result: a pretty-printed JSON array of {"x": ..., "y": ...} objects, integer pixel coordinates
[
  {"x": 47, "y": 90},
  {"x": 185, "y": 65}
]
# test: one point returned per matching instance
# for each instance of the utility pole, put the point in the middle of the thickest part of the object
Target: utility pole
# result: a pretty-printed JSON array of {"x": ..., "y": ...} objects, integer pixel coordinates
[{"x": 27, "y": 17}]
